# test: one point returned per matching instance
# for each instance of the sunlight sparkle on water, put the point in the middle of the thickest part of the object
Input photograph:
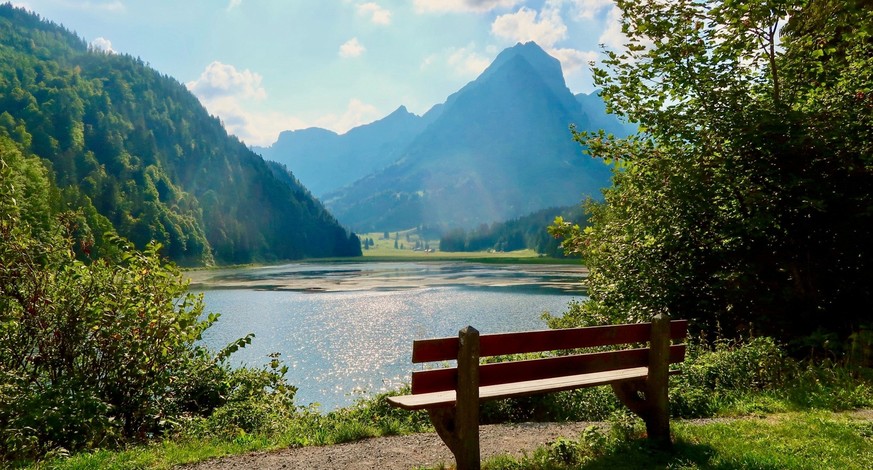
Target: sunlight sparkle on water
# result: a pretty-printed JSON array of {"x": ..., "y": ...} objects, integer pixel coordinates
[{"x": 337, "y": 343}]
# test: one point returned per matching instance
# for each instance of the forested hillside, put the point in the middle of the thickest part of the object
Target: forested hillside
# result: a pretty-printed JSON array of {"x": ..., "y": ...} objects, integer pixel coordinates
[
  {"x": 134, "y": 151},
  {"x": 516, "y": 234}
]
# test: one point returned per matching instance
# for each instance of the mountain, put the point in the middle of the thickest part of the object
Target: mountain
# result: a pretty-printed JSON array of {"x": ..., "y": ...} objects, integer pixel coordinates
[
  {"x": 325, "y": 161},
  {"x": 497, "y": 149},
  {"x": 134, "y": 152},
  {"x": 594, "y": 107}
]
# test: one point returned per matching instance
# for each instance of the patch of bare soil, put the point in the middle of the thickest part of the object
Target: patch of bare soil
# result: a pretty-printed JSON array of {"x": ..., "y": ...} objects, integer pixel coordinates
[{"x": 400, "y": 452}]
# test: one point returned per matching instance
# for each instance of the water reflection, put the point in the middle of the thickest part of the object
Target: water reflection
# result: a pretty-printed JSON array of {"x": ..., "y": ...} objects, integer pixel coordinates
[
  {"x": 339, "y": 341},
  {"x": 308, "y": 277}
]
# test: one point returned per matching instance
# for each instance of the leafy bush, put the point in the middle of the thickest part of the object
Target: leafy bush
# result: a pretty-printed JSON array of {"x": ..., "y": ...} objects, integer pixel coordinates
[
  {"x": 712, "y": 375},
  {"x": 745, "y": 202},
  {"x": 383, "y": 418},
  {"x": 237, "y": 401},
  {"x": 584, "y": 404},
  {"x": 729, "y": 376},
  {"x": 831, "y": 386},
  {"x": 95, "y": 353}
]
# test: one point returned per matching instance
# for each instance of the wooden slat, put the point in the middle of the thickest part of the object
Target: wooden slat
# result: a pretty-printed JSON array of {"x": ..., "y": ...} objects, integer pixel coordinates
[
  {"x": 446, "y": 349},
  {"x": 520, "y": 389},
  {"x": 438, "y": 380}
]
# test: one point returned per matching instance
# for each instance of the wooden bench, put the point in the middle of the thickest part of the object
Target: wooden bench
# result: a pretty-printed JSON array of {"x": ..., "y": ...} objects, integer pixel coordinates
[{"x": 452, "y": 395}]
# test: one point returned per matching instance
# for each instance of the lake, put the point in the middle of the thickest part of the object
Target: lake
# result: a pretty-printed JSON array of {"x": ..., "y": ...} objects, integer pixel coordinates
[{"x": 346, "y": 329}]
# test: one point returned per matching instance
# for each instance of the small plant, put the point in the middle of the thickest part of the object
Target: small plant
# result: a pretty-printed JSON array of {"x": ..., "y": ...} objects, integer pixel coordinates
[
  {"x": 564, "y": 451},
  {"x": 624, "y": 426},
  {"x": 594, "y": 439}
]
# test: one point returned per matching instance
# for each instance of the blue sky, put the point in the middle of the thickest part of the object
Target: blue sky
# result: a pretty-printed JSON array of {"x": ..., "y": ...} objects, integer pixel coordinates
[{"x": 264, "y": 66}]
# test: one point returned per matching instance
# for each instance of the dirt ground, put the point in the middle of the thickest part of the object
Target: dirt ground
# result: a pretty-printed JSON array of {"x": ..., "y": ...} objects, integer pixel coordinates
[
  {"x": 417, "y": 450},
  {"x": 399, "y": 452}
]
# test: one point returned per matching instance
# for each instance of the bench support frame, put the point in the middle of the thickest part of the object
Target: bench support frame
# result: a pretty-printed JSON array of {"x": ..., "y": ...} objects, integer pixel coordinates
[{"x": 458, "y": 425}]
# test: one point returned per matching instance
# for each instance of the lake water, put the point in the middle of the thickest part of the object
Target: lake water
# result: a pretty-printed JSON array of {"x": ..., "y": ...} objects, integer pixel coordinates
[{"x": 347, "y": 329}]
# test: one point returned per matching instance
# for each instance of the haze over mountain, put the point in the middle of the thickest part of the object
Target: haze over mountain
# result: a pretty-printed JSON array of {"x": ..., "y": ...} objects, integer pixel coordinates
[
  {"x": 134, "y": 152},
  {"x": 325, "y": 161},
  {"x": 497, "y": 149}
]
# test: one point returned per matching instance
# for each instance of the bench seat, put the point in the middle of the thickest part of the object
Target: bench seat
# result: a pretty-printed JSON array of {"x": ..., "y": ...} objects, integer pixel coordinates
[
  {"x": 451, "y": 395},
  {"x": 521, "y": 389}
]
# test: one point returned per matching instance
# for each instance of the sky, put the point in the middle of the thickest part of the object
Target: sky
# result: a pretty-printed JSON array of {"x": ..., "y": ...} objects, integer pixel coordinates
[{"x": 265, "y": 66}]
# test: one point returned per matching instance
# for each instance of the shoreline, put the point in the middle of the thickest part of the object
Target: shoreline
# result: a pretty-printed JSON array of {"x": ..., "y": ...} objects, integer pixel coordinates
[{"x": 396, "y": 274}]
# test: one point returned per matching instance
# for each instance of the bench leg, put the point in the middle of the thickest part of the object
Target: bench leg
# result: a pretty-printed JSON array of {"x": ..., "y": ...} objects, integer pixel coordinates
[
  {"x": 458, "y": 426},
  {"x": 462, "y": 440},
  {"x": 629, "y": 395},
  {"x": 658, "y": 424},
  {"x": 648, "y": 398},
  {"x": 443, "y": 420},
  {"x": 635, "y": 397}
]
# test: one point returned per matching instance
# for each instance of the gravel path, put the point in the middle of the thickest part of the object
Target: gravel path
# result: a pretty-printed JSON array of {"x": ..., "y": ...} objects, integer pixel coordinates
[
  {"x": 416, "y": 450},
  {"x": 399, "y": 452}
]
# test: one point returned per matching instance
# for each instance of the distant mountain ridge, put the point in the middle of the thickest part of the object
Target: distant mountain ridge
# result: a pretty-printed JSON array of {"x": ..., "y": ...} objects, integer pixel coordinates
[
  {"x": 497, "y": 149},
  {"x": 133, "y": 151},
  {"x": 312, "y": 152}
]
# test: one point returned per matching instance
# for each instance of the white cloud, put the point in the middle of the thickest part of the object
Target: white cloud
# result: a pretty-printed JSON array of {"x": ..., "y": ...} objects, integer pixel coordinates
[
  {"x": 230, "y": 93},
  {"x": 357, "y": 113},
  {"x": 221, "y": 80},
  {"x": 253, "y": 128},
  {"x": 588, "y": 9},
  {"x": 462, "y": 62},
  {"x": 377, "y": 14},
  {"x": 573, "y": 60},
  {"x": 233, "y": 4},
  {"x": 23, "y": 5},
  {"x": 545, "y": 28},
  {"x": 351, "y": 48},
  {"x": 612, "y": 36},
  {"x": 102, "y": 44},
  {"x": 478, "y": 6},
  {"x": 466, "y": 62},
  {"x": 575, "y": 65}
]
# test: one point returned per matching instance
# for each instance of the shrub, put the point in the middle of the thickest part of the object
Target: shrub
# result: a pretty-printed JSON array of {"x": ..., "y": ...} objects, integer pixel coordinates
[
  {"x": 97, "y": 352},
  {"x": 713, "y": 375},
  {"x": 242, "y": 401}
]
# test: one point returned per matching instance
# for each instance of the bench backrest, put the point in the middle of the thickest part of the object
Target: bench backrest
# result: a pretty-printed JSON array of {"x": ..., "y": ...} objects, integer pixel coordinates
[{"x": 446, "y": 349}]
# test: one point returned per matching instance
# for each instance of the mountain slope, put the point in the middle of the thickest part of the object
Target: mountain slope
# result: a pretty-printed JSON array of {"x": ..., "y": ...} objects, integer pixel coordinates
[
  {"x": 136, "y": 148},
  {"x": 595, "y": 108},
  {"x": 325, "y": 161},
  {"x": 497, "y": 149}
]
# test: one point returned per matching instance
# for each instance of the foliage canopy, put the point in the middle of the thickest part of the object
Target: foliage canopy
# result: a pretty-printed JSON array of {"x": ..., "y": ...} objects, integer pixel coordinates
[{"x": 745, "y": 203}]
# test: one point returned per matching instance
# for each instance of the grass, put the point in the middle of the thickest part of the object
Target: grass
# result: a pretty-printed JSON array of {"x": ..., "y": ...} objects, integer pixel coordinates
[
  {"x": 512, "y": 257},
  {"x": 798, "y": 440},
  {"x": 383, "y": 250},
  {"x": 770, "y": 412},
  {"x": 367, "y": 418},
  {"x": 811, "y": 438}
]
